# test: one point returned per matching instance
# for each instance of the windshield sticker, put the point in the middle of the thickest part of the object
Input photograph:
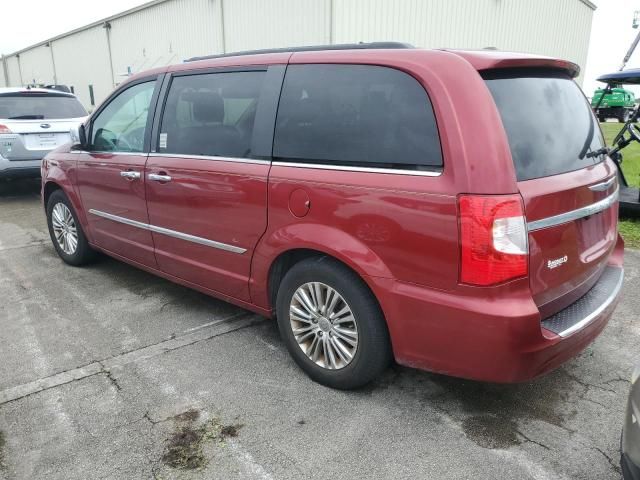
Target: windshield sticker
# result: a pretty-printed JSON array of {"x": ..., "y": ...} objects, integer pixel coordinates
[{"x": 163, "y": 140}]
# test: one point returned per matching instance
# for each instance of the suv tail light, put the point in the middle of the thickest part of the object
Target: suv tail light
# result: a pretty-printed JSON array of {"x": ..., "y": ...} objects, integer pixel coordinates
[
  {"x": 4, "y": 129},
  {"x": 493, "y": 239}
]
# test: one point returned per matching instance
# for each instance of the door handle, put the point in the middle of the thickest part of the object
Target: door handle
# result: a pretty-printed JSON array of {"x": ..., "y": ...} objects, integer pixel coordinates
[
  {"x": 130, "y": 174},
  {"x": 159, "y": 178}
]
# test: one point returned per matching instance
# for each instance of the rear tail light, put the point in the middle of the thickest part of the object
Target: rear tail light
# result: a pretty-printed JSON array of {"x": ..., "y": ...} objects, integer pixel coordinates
[
  {"x": 493, "y": 239},
  {"x": 4, "y": 129}
]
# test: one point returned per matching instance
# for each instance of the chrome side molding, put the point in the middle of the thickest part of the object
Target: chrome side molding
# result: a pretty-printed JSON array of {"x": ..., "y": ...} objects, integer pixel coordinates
[
  {"x": 210, "y": 157},
  {"x": 574, "y": 214},
  {"x": 345, "y": 168},
  {"x": 170, "y": 233}
]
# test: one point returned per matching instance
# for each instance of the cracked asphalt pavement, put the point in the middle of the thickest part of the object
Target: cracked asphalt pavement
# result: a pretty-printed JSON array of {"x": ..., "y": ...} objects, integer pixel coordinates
[{"x": 109, "y": 372}]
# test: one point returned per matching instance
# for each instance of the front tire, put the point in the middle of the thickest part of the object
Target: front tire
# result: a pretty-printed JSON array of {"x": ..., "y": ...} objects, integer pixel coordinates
[
  {"x": 65, "y": 231},
  {"x": 332, "y": 324}
]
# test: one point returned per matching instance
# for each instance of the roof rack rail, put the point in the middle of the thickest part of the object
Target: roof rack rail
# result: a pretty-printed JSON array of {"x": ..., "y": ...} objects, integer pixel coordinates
[{"x": 311, "y": 48}]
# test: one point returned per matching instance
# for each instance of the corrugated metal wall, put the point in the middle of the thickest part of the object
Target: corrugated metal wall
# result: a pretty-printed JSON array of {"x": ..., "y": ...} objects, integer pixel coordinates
[
  {"x": 3, "y": 72},
  {"x": 169, "y": 31},
  {"x": 13, "y": 71},
  {"x": 165, "y": 33},
  {"x": 82, "y": 59},
  {"x": 254, "y": 24},
  {"x": 36, "y": 65},
  {"x": 559, "y": 28}
]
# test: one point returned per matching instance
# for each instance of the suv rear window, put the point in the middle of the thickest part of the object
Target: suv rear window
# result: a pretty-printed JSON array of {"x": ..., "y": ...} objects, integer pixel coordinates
[
  {"x": 548, "y": 120},
  {"x": 356, "y": 115},
  {"x": 37, "y": 106}
]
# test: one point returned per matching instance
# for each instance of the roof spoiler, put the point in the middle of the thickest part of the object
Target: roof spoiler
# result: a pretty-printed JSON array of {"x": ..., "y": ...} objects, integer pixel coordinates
[{"x": 573, "y": 69}]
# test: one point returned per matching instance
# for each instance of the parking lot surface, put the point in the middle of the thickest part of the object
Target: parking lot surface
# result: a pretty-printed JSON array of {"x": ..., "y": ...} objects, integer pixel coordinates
[{"x": 109, "y": 372}]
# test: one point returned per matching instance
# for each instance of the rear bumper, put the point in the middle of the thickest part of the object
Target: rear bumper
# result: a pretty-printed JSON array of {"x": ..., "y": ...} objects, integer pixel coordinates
[
  {"x": 587, "y": 308},
  {"x": 487, "y": 336},
  {"x": 19, "y": 168}
]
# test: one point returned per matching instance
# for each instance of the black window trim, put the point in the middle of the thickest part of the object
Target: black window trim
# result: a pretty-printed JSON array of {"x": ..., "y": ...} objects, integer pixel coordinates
[
  {"x": 265, "y": 122},
  {"x": 424, "y": 171},
  {"x": 159, "y": 81}
]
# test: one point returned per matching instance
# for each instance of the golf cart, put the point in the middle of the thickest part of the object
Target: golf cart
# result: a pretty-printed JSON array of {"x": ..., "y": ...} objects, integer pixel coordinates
[{"x": 629, "y": 196}]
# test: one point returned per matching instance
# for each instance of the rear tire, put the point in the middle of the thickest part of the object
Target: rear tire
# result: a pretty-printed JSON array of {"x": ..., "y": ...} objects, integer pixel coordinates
[
  {"x": 65, "y": 231},
  {"x": 328, "y": 346}
]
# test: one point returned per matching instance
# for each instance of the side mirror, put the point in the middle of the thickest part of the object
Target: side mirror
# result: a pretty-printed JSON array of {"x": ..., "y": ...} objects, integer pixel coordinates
[{"x": 78, "y": 137}]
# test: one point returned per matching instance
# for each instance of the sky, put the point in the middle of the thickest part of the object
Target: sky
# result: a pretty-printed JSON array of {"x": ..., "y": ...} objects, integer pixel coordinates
[
  {"x": 48, "y": 18},
  {"x": 611, "y": 36},
  {"x": 611, "y": 33}
]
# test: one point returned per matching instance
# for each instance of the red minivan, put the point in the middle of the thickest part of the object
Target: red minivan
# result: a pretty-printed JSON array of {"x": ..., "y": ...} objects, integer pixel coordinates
[{"x": 451, "y": 210}]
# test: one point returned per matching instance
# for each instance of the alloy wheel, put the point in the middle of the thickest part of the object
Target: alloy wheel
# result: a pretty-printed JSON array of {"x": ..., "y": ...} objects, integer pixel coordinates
[
  {"x": 64, "y": 228},
  {"x": 323, "y": 325}
]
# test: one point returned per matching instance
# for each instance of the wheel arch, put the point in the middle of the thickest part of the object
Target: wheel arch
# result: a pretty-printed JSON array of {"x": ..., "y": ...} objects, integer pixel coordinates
[
  {"x": 54, "y": 184},
  {"x": 277, "y": 254},
  {"x": 49, "y": 187}
]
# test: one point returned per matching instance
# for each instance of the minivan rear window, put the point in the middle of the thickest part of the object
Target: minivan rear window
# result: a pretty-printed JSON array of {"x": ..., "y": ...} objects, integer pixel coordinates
[
  {"x": 356, "y": 115},
  {"x": 38, "y": 106},
  {"x": 548, "y": 121}
]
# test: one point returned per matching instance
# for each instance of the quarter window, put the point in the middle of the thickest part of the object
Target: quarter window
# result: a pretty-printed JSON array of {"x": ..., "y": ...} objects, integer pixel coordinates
[
  {"x": 121, "y": 126},
  {"x": 211, "y": 114},
  {"x": 358, "y": 115}
]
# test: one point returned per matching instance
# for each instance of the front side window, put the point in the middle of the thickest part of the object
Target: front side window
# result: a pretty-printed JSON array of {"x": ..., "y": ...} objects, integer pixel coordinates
[
  {"x": 122, "y": 125},
  {"x": 211, "y": 114},
  {"x": 356, "y": 115}
]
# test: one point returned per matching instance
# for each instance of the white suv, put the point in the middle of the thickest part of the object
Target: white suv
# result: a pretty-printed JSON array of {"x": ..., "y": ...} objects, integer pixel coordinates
[{"x": 34, "y": 121}]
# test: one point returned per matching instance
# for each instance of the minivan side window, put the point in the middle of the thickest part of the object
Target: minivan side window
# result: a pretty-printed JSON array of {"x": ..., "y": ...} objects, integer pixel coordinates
[
  {"x": 356, "y": 115},
  {"x": 211, "y": 114},
  {"x": 121, "y": 125}
]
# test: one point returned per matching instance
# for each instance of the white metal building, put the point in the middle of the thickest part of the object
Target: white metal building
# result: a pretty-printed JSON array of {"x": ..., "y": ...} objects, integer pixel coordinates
[{"x": 95, "y": 58}]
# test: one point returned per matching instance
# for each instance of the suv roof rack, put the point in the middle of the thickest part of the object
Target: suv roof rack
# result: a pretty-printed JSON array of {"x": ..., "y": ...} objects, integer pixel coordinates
[{"x": 311, "y": 48}]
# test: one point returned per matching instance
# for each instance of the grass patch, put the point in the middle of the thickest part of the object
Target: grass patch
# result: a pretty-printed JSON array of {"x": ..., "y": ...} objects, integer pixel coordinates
[
  {"x": 631, "y": 154},
  {"x": 184, "y": 450},
  {"x": 629, "y": 229}
]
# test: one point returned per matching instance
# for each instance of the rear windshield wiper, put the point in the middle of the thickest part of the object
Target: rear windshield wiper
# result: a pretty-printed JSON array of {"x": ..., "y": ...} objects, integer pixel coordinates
[
  {"x": 597, "y": 153},
  {"x": 27, "y": 117}
]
